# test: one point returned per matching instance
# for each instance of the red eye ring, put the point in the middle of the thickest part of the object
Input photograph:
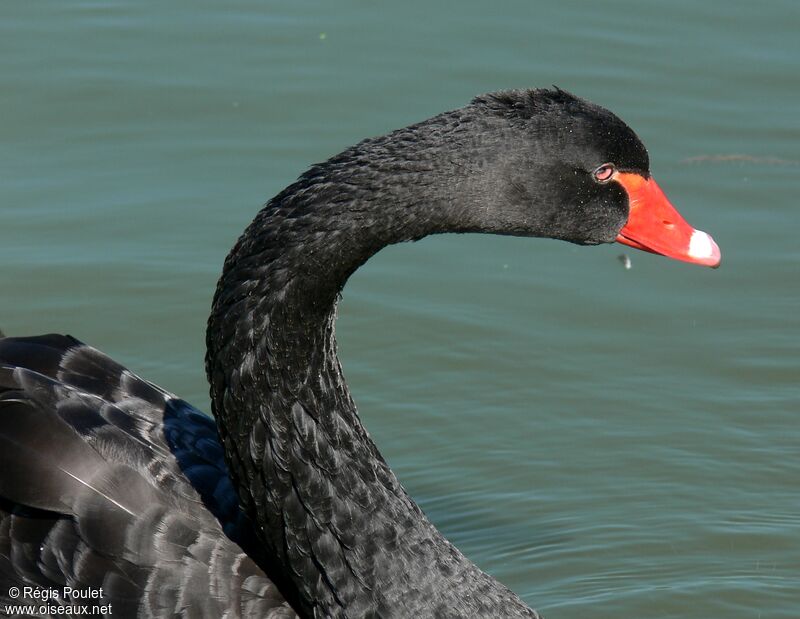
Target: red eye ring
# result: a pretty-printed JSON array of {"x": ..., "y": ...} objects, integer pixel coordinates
[{"x": 604, "y": 173}]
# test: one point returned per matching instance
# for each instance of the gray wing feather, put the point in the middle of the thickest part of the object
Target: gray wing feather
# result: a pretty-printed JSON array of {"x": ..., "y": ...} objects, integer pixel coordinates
[{"x": 108, "y": 481}]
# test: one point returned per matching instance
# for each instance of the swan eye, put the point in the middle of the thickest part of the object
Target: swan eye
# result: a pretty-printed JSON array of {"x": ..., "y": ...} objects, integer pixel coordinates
[{"x": 604, "y": 173}]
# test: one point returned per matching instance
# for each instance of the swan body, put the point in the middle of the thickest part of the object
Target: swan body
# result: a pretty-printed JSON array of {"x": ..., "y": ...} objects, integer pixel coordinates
[
  {"x": 285, "y": 507},
  {"x": 111, "y": 483}
]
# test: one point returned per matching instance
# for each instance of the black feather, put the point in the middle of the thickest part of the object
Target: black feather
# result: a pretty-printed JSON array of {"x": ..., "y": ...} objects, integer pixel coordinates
[{"x": 94, "y": 492}]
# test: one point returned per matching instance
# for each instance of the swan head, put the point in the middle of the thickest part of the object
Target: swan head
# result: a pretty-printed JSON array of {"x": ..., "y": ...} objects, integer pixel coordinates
[{"x": 565, "y": 168}]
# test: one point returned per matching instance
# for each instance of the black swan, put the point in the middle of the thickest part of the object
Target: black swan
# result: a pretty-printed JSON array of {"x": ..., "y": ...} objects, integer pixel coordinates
[{"x": 285, "y": 507}]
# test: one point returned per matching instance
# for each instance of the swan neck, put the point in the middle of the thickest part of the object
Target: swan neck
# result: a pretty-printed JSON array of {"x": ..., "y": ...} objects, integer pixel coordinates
[{"x": 325, "y": 503}]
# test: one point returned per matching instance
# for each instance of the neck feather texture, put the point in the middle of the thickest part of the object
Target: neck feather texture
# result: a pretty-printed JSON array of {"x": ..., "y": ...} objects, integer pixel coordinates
[{"x": 350, "y": 541}]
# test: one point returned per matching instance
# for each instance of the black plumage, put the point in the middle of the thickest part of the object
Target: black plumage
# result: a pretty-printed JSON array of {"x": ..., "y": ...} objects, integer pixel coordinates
[{"x": 110, "y": 481}]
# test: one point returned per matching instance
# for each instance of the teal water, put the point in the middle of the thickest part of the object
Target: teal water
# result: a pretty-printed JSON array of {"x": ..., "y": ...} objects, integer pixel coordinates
[{"x": 607, "y": 442}]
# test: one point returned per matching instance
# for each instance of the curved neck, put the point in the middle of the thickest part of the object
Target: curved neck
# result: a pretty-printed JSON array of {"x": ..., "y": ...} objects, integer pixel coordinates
[{"x": 350, "y": 540}]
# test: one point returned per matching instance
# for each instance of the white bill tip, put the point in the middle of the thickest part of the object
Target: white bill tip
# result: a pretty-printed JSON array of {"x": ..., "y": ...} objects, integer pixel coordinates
[{"x": 701, "y": 245}]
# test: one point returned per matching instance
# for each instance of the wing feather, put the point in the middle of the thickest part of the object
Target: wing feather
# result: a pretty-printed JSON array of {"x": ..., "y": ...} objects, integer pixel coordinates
[{"x": 109, "y": 481}]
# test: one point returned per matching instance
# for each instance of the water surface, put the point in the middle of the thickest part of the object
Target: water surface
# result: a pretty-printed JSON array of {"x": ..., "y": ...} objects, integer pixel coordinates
[{"x": 607, "y": 442}]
